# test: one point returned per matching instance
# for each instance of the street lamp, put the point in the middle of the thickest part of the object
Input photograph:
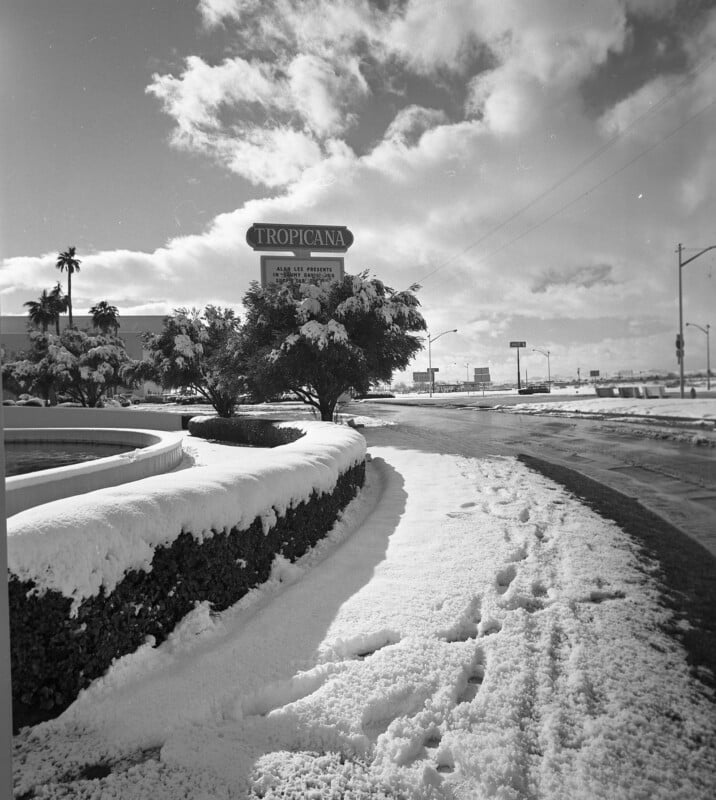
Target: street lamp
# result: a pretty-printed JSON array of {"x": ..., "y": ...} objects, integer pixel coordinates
[
  {"x": 682, "y": 264},
  {"x": 432, "y": 339},
  {"x": 549, "y": 375},
  {"x": 708, "y": 354}
]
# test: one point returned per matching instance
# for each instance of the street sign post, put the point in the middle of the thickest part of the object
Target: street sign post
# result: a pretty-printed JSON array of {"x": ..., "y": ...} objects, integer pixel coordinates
[
  {"x": 518, "y": 345},
  {"x": 481, "y": 375}
]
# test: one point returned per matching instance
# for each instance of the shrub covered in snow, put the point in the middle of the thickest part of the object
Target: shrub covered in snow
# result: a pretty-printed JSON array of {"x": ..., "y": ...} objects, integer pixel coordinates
[
  {"x": 55, "y": 654},
  {"x": 195, "y": 351},
  {"x": 92, "y": 577},
  {"x": 243, "y": 430},
  {"x": 320, "y": 340}
]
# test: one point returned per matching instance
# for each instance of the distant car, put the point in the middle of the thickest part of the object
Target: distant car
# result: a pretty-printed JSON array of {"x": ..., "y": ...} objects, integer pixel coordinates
[{"x": 535, "y": 388}]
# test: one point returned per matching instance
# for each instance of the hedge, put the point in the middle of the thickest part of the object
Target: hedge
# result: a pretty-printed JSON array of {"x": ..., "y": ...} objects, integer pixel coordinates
[
  {"x": 243, "y": 430},
  {"x": 55, "y": 654}
]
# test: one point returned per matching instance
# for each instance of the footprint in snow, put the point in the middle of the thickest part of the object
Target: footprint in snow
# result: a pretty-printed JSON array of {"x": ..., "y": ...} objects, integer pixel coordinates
[
  {"x": 467, "y": 626},
  {"x": 488, "y": 627},
  {"x": 505, "y": 577},
  {"x": 474, "y": 681}
]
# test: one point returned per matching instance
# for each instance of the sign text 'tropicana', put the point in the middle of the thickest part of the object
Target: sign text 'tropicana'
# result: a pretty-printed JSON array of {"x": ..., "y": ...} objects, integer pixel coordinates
[{"x": 277, "y": 236}]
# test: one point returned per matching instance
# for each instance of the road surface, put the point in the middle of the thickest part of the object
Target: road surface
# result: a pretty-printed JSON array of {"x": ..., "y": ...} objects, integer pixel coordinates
[{"x": 674, "y": 478}]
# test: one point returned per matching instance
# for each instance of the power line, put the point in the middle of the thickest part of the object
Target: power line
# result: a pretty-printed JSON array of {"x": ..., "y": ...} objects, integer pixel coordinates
[
  {"x": 579, "y": 166},
  {"x": 602, "y": 182}
]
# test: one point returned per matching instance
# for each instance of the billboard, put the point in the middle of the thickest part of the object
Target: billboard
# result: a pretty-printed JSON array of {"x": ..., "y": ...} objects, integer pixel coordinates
[
  {"x": 421, "y": 377},
  {"x": 277, "y": 269},
  {"x": 518, "y": 344},
  {"x": 481, "y": 375}
]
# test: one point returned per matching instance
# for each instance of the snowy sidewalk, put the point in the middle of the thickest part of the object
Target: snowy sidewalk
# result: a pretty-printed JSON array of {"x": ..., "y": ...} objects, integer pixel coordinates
[{"x": 469, "y": 631}]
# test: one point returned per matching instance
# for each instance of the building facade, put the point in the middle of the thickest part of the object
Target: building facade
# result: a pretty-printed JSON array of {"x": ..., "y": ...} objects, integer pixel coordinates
[{"x": 14, "y": 332}]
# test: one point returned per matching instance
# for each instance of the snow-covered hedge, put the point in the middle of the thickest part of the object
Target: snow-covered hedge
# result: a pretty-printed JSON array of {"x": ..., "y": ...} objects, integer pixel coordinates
[
  {"x": 252, "y": 431},
  {"x": 91, "y": 577}
]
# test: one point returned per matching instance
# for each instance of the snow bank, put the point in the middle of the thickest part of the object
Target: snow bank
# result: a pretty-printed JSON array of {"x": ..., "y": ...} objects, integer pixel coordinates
[
  {"x": 478, "y": 633},
  {"x": 77, "y": 545},
  {"x": 699, "y": 409}
]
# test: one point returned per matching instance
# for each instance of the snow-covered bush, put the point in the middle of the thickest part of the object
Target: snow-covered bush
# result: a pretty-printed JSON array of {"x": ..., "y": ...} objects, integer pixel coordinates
[
  {"x": 320, "y": 340},
  {"x": 243, "y": 430},
  {"x": 92, "y": 577}
]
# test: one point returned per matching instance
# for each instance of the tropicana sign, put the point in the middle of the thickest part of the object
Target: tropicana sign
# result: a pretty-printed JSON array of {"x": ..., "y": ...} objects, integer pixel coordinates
[{"x": 276, "y": 236}]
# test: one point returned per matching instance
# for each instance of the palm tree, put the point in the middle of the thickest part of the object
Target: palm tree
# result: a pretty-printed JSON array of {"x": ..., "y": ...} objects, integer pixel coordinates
[
  {"x": 41, "y": 312},
  {"x": 105, "y": 317},
  {"x": 67, "y": 261},
  {"x": 59, "y": 305}
]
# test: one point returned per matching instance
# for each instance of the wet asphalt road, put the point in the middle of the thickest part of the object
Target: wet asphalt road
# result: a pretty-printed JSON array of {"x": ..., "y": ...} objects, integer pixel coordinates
[{"x": 671, "y": 476}]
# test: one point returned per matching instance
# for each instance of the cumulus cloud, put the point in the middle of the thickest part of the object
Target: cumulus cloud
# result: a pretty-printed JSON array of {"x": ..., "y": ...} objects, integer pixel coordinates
[
  {"x": 411, "y": 122},
  {"x": 579, "y": 277},
  {"x": 456, "y": 145}
]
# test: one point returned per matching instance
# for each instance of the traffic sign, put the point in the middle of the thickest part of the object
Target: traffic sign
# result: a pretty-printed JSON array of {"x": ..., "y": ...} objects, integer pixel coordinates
[{"x": 518, "y": 344}]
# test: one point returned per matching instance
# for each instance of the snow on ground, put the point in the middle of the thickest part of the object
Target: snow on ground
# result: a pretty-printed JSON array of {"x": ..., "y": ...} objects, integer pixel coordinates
[
  {"x": 468, "y": 630},
  {"x": 672, "y": 408}
]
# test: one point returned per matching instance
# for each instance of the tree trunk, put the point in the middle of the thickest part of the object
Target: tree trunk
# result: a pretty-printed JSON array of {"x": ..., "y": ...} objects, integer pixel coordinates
[
  {"x": 69, "y": 294},
  {"x": 326, "y": 408}
]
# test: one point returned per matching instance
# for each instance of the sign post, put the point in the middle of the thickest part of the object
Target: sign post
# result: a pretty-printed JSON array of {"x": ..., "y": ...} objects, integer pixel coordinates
[
  {"x": 481, "y": 375},
  {"x": 518, "y": 345},
  {"x": 431, "y": 372}
]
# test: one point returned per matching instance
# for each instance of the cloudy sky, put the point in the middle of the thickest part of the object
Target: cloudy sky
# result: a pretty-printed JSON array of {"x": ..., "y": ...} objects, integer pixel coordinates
[{"x": 533, "y": 165}]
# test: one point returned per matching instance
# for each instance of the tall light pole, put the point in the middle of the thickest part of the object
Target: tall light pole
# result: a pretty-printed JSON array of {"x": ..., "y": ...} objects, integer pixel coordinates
[
  {"x": 708, "y": 354},
  {"x": 432, "y": 339},
  {"x": 682, "y": 264},
  {"x": 549, "y": 374}
]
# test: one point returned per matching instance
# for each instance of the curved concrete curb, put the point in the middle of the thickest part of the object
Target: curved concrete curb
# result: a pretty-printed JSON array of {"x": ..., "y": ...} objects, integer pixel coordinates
[{"x": 155, "y": 452}]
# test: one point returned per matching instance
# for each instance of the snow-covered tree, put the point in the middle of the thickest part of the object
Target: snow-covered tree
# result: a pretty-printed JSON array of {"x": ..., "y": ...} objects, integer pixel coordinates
[
  {"x": 197, "y": 351},
  {"x": 319, "y": 340},
  {"x": 83, "y": 366}
]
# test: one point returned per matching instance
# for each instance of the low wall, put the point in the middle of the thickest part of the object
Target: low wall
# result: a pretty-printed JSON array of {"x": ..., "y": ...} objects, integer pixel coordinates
[
  {"x": 91, "y": 577},
  {"x": 650, "y": 391},
  {"x": 69, "y": 417},
  {"x": 155, "y": 452}
]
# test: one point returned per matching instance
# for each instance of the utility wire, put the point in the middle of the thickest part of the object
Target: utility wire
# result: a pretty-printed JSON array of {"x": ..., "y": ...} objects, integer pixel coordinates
[
  {"x": 601, "y": 182},
  {"x": 579, "y": 166}
]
